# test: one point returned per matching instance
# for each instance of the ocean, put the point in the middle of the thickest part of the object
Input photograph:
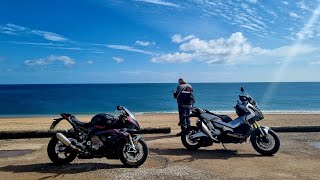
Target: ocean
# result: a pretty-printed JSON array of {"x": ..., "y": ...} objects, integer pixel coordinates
[{"x": 37, "y": 100}]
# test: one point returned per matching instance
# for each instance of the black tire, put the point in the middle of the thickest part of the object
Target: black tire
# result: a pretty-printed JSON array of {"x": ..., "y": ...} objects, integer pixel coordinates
[
  {"x": 53, "y": 155},
  {"x": 255, "y": 139},
  {"x": 186, "y": 140},
  {"x": 126, "y": 161}
]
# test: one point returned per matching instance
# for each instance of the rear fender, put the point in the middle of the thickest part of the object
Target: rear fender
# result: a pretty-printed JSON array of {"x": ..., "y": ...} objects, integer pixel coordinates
[{"x": 55, "y": 122}]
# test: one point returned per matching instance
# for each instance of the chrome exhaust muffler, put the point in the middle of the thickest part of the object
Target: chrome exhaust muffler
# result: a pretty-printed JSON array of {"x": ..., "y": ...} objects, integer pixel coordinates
[
  {"x": 206, "y": 130},
  {"x": 66, "y": 141}
]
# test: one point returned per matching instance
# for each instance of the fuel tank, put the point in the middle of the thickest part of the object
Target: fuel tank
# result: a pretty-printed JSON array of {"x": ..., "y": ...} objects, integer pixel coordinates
[{"x": 104, "y": 120}]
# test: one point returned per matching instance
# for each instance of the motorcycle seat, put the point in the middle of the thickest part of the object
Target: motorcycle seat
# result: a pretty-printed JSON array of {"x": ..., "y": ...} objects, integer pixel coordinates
[{"x": 80, "y": 123}]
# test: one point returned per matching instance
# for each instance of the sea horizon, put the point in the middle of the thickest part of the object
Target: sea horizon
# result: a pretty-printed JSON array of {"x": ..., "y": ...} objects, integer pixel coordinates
[
  {"x": 161, "y": 83},
  {"x": 144, "y": 98}
]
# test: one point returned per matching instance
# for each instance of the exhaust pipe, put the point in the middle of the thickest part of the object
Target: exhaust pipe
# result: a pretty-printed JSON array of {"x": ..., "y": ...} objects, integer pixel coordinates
[
  {"x": 66, "y": 141},
  {"x": 207, "y": 132}
]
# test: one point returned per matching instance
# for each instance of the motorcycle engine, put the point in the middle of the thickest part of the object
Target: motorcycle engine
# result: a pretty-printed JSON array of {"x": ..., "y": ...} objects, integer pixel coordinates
[{"x": 96, "y": 143}]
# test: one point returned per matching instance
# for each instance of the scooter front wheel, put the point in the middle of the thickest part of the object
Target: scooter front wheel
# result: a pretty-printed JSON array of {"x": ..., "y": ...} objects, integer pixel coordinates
[
  {"x": 188, "y": 142},
  {"x": 265, "y": 145}
]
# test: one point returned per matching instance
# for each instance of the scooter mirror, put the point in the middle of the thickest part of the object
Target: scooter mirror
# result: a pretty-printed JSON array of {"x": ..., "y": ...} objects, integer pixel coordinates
[
  {"x": 119, "y": 107},
  {"x": 242, "y": 90}
]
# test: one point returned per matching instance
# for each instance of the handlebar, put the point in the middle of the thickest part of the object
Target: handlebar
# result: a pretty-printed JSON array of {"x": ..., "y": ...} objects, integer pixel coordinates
[{"x": 244, "y": 98}]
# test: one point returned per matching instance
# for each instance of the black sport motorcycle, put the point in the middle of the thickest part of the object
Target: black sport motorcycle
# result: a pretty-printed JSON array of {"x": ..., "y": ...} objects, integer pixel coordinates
[
  {"x": 213, "y": 128},
  {"x": 105, "y": 135}
]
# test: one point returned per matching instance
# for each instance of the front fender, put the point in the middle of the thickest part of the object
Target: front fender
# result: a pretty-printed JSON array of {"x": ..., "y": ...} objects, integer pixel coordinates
[
  {"x": 136, "y": 138},
  {"x": 264, "y": 130}
]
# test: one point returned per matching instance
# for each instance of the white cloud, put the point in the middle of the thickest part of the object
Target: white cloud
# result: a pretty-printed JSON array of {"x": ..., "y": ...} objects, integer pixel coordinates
[
  {"x": 177, "y": 38},
  {"x": 160, "y": 2},
  {"x": 253, "y": 1},
  {"x": 67, "y": 61},
  {"x": 303, "y": 6},
  {"x": 227, "y": 50},
  {"x": 90, "y": 62},
  {"x": 49, "y": 35},
  {"x": 295, "y": 15},
  {"x": 173, "y": 58},
  {"x": 118, "y": 59},
  {"x": 145, "y": 43},
  {"x": 35, "y": 43},
  {"x": 128, "y": 48},
  {"x": 285, "y": 2},
  {"x": 12, "y": 29},
  {"x": 252, "y": 18},
  {"x": 311, "y": 28}
]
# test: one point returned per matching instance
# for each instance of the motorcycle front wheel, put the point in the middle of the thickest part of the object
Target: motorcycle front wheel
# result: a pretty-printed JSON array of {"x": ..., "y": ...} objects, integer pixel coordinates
[
  {"x": 133, "y": 158},
  {"x": 266, "y": 146},
  {"x": 191, "y": 144},
  {"x": 58, "y": 153}
]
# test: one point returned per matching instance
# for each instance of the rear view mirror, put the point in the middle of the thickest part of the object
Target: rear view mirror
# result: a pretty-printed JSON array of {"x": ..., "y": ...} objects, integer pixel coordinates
[
  {"x": 119, "y": 107},
  {"x": 242, "y": 90}
]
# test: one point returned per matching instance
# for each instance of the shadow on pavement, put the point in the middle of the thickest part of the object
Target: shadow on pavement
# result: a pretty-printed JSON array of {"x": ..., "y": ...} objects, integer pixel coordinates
[
  {"x": 72, "y": 168},
  {"x": 201, "y": 153}
]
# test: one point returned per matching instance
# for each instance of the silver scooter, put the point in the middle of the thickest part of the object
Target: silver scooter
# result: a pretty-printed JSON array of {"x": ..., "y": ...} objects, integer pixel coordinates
[{"x": 214, "y": 128}]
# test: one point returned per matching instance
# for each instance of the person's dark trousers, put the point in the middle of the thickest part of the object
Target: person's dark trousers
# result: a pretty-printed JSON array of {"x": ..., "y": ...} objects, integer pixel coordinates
[{"x": 184, "y": 112}]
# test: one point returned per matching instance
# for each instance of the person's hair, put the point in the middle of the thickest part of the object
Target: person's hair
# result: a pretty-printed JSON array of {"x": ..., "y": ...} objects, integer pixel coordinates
[{"x": 182, "y": 81}]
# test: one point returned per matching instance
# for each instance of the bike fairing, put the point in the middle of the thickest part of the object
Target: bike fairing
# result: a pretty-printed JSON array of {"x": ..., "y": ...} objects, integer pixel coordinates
[{"x": 105, "y": 136}]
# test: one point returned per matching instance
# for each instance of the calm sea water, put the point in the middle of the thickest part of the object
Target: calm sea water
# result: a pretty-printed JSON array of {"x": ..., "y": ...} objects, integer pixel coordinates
[{"x": 18, "y": 100}]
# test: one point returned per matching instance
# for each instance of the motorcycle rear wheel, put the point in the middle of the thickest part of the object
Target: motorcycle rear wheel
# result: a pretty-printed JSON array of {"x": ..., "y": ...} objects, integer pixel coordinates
[
  {"x": 54, "y": 155},
  {"x": 189, "y": 143}
]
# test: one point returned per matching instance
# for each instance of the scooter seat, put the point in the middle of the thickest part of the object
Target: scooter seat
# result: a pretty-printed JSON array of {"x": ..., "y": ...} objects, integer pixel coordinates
[{"x": 224, "y": 118}]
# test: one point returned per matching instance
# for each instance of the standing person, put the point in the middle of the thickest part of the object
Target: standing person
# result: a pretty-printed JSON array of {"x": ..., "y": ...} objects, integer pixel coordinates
[{"x": 185, "y": 101}]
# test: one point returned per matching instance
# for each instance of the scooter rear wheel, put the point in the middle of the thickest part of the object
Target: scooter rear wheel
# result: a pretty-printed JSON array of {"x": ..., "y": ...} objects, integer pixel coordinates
[{"x": 191, "y": 144}]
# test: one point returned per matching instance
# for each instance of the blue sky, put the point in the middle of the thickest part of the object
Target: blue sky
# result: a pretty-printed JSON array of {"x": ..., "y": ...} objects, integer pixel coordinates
[{"x": 129, "y": 41}]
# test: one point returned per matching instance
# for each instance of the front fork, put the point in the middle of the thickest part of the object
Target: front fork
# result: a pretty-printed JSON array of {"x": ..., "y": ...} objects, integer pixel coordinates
[
  {"x": 133, "y": 141},
  {"x": 264, "y": 131}
]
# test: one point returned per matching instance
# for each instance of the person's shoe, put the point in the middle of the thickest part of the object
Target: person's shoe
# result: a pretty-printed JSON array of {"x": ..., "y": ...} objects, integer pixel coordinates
[{"x": 179, "y": 134}]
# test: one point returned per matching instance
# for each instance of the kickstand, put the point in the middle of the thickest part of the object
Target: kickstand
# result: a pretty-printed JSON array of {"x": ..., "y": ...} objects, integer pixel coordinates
[{"x": 224, "y": 146}]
